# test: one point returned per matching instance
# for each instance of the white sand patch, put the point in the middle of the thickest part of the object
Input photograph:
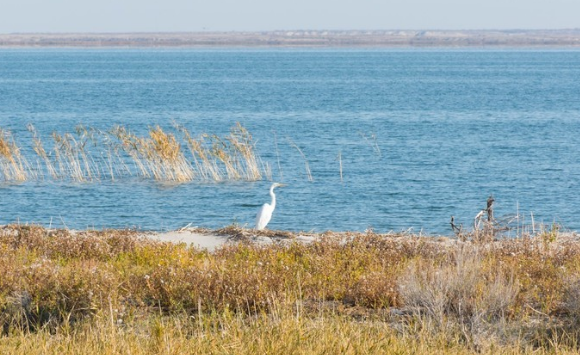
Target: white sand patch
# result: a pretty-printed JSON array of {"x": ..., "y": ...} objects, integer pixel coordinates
[
  {"x": 207, "y": 241},
  {"x": 211, "y": 241},
  {"x": 305, "y": 239}
]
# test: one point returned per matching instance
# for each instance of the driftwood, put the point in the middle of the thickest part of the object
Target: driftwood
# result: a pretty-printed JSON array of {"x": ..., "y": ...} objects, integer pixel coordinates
[{"x": 484, "y": 229}]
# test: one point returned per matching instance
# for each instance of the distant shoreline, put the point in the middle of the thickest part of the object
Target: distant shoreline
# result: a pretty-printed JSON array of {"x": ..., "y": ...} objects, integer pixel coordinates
[{"x": 568, "y": 38}]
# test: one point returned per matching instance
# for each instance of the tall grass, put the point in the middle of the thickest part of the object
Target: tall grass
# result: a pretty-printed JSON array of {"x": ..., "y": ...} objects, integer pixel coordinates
[
  {"x": 88, "y": 154},
  {"x": 232, "y": 333}
]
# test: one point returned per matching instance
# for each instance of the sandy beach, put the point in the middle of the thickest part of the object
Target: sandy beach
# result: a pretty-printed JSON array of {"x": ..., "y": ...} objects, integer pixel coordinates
[{"x": 212, "y": 239}]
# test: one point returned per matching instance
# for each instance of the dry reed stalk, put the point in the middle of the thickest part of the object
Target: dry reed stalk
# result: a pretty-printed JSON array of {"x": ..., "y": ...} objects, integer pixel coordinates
[
  {"x": 205, "y": 167},
  {"x": 66, "y": 163},
  {"x": 306, "y": 165},
  {"x": 111, "y": 163},
  {"x": 12, "y": 163},
  {"x": 110, "y": 157},
  {"x": 220, "y": 151},
  {"x": 242, "y": 144},
  {"x": 132, "y": 146},
  {"x": 86, "y": 136},
  {"x": 374, "y": 145},
  {"x": 278, "y": 156},
  {"x": 340, "y": 164},
  {"x": 166, "y": 157},
  {"x": 41, "y": 152},
  {"x": 73, "y": 160},
  {"x": 267, "y": 169}
]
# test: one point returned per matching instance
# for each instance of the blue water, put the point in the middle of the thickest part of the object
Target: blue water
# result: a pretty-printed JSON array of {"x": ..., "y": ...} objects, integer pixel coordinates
[{"x": 450, "y": 128}]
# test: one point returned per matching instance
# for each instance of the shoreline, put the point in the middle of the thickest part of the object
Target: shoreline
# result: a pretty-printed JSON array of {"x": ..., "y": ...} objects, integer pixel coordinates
[
  {"x": 564, "y": 38},
  {"x": 210, "y": 240}
]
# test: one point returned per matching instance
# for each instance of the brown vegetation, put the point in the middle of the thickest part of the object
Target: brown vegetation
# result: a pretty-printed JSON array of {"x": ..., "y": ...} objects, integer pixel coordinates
[{"x": 381, "y": 292}]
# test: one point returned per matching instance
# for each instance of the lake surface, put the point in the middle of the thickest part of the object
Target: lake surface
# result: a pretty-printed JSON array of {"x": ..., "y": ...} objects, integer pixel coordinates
[{"x": 422, "y": 134}]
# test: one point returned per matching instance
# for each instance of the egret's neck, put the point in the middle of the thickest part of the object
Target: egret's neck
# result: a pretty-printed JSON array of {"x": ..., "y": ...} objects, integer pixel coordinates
[{"x": 273, "y": 195}]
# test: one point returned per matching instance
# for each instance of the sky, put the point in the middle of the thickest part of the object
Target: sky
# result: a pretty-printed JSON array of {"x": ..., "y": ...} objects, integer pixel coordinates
[{"x": 265, "y": 15}]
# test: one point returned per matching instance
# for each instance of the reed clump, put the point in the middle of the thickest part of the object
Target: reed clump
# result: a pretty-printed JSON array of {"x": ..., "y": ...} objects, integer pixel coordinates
[
  {"x": 118, "y": 291},
  {"x": 12, "y": 165},
  {"x": 232, "y": 157},
  {"x": 158, "y": 156},
  {"x": 89, "y": 154},
  {"x": 72, "y": 158}
]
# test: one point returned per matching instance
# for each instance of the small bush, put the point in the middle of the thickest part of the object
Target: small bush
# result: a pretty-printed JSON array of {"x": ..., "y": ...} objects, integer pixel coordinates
[{"x": 459, "y": 293}]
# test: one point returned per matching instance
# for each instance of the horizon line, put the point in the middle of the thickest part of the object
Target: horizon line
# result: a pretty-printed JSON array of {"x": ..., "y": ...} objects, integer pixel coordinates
[{"x": 304, "y": 30}]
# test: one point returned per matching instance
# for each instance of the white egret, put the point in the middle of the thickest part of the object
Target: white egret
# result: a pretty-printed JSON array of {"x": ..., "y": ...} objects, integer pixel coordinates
[{"x": 265, "y": 213}]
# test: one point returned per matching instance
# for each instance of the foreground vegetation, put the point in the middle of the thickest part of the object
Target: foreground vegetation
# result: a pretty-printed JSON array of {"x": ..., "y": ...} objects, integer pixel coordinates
[{"x": 109, "y": 292}]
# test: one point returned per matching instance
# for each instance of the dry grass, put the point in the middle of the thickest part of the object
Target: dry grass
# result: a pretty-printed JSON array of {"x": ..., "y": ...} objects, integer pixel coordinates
[
  {"x": 100, "y": 292},
  {"x": 12, "y": 165},
  {"x": 306, "y": 165},
  {"x": 89, "y": 155},
  {"x": 228, "y": 333},
  {"x": 459, "y": 293}
]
